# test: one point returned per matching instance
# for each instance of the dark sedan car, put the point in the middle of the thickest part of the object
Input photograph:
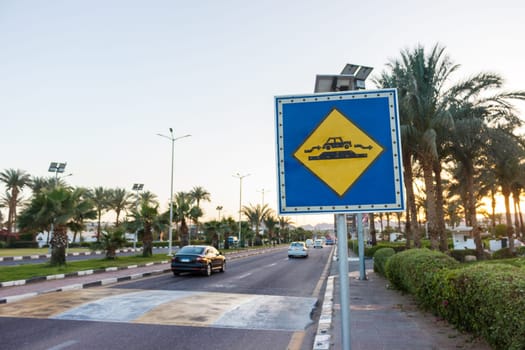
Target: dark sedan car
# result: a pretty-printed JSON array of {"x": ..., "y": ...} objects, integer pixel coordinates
[{"x": 198, "y": 258}]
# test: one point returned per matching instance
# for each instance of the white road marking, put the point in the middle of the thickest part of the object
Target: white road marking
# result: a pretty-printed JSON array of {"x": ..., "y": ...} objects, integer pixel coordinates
[
  {"x": 245, "y": 275},
  {"x": 241, "y": 311},
  {"x": 64, "y": 345}
]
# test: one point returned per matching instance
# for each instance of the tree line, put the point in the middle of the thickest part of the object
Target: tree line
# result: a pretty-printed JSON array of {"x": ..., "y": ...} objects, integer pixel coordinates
[{"x": 460, "y": 139}]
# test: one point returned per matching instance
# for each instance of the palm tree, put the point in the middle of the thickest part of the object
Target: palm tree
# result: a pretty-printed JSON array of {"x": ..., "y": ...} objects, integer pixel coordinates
[
  {"x": 182, "y": 206},
  {"x": 194, "y": 214},
  {"x": 228, "y": 227},
  {"x": 256, "y": 214},
  {"x": 100, "y": 197},
  {"x": 38, "y": 184},
  {"x": 270, "y": 222},
  {"x": 199, "y": 194},
  {"x": 424, "y": 81},
  {"x": 148, "y": 215},
  {"x": 284, "y": 225},
  {"x": 83, "y": 210},
  {"x": 14, "y": 181},
  {"x": 506, "y": 152},
  {"x": 475, "y": 104},
  {"x": 57, "y": 208},
  {"x": 148, "y": 197},
  {"x": 119, "y": 200}
]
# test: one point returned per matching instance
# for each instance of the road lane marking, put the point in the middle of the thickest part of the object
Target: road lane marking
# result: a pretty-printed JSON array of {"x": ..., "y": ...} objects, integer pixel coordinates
[
  {"x": 63, "y": 345},
  {"x": 242, "y": 276}
]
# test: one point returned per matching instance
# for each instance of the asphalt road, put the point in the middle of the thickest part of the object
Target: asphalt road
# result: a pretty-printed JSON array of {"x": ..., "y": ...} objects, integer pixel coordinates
[{"x": 262, "y": 302}]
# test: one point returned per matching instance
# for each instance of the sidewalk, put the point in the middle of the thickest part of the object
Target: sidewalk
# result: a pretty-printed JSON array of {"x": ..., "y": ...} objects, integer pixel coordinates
[{"x": 382, "y": 318}]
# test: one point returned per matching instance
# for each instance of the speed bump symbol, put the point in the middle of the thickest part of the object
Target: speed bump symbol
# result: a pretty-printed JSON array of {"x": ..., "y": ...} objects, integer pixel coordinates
[{"x": 338, "y": 152}]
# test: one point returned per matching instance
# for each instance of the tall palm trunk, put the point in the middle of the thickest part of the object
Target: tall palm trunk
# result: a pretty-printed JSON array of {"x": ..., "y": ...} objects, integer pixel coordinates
[
  {"x": 432, "y": 219},
  {"x": 147, "y": 240},
  {"x": 58, "y": 246},
  {"x": 412, "y": 228},
  {"x": 510, "y": 229},
  {"x": 440, "y": 212},
  {"x": 493, "y": 207},
  {"x": 471, "y": 209},
  {"x": 184, "y": 232},
  {"x": 517, "y": 211}
]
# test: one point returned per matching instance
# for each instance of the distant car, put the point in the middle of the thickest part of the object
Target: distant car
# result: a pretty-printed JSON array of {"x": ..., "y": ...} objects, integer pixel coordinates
[
  {"x": 309, "y": 243},
  {"x": 329, "y": 241},
  {"x": 198, "y": 258},
  {"x": 297, "y": 249},
  {"x": 318, "y": 243}
]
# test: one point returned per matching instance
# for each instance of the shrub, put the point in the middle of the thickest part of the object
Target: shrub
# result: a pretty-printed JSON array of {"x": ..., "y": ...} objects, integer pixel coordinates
[
  {"x": 487, "y": 299},
  {"x": 23, "y": 244},
  {"x": 370, "y": 251},
  {"x": 412, "y": 270},
  {"x": 520, "y": 251},
  {"x": 500, "y": 231},
  {"x": 504, "y": 253},
  {"x": 459, "y": 254},
  {"x": 380, "y": 258}
]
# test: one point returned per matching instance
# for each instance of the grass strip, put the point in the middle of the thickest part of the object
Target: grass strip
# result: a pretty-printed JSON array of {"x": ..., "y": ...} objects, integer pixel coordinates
[
  {"x": 35, "y": 251},
  {"x": 28, "y": 271}
]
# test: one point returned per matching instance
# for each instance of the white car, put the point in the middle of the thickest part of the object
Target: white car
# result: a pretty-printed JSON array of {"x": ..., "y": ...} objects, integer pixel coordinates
[
  {"x": 318, "y": 243},
  {"x": 297, "y": 249}
]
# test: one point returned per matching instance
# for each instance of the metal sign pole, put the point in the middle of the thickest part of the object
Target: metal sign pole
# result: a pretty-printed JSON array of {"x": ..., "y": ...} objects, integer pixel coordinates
[
  {"x": 344, "y": 282},
  {"x": 361, "y": 246}
]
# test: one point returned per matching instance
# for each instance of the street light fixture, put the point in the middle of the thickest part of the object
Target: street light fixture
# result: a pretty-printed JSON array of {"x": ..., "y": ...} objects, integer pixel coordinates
[
  {"x": 172, "y": 139},
  {"x": 137, "y": 188},
  {"x": 54, "y": 167},
  {"x": 240, "y": 177},
  {"x": 57, "y": 168}
]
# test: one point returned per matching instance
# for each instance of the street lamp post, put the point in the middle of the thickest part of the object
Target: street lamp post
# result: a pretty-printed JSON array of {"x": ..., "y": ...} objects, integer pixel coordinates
[
  {"x": 240, "y": 177},
  {"x": 172, "y": 139},
  {"x": 219, "y": 208},
  {"x": 263, "y": 191},
  {"x": 56, "y": 168},
  {"x": 137, "y": 188}
]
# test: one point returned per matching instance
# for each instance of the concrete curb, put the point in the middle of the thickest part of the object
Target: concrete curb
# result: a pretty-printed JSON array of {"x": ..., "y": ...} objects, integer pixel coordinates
[
  {"x": 323, "y": 338},
  {"x": 75, "y": 274},
  {"x": 47, "y": 256}
]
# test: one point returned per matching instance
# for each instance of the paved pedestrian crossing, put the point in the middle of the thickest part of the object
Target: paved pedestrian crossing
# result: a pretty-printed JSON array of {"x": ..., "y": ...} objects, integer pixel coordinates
[{"x": 165, "y": 307}]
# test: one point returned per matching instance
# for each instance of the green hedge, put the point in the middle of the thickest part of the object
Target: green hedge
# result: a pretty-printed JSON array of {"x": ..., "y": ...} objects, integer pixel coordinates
[
  {"x": 412, "y": 270},
  {"x": 504, "y": 253},
  {"x": 486, "y": 299},
  {"x": 22, "y": 244},
  {"x": 460, "y": 254},
  {"x": 381, "y": 257},
  {"x": 371, "y": 250}
]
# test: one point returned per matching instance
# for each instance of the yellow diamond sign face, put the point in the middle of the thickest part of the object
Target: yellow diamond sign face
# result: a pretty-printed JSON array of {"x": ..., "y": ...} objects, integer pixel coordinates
[{"x": 338, "y": 152}]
